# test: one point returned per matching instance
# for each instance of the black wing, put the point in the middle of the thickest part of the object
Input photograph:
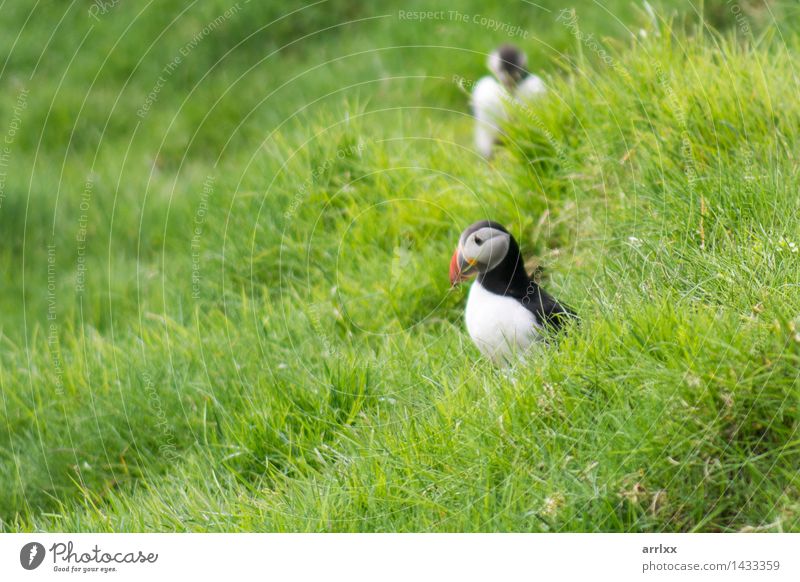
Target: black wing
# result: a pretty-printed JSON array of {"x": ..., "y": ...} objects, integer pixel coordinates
[{"x": 548, "y": 311}]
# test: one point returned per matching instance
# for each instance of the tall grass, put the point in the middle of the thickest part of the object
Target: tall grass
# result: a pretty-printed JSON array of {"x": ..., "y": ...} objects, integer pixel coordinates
[{"x": 247, "y": 324}]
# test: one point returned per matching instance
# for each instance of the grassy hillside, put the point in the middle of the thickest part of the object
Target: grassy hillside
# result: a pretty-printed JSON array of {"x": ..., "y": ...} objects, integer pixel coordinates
[{"x": 225, "y": 303}]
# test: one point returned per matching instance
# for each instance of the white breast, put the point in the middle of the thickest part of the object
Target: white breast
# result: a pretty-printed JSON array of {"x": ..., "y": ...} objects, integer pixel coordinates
[
  {"x": 501, "y": 327},
  {"x": 489, "y": 101}
]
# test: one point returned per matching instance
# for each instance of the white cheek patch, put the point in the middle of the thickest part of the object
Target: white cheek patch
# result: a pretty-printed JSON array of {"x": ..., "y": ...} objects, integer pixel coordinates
[{"x": 491, "y": 251}]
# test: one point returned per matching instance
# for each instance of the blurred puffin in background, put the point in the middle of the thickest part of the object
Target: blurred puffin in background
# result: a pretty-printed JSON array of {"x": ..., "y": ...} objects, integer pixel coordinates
[
  {"x": 492, "y": 95},
  {"x": 506, "y": 310}
]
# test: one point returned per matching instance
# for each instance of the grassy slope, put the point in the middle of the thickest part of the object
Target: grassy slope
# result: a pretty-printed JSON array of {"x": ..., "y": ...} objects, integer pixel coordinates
[{"x": 656, "y": 189}]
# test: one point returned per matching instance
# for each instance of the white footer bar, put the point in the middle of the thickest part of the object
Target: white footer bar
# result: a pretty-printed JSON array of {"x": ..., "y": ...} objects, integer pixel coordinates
[{"x": 387, "y": 557}]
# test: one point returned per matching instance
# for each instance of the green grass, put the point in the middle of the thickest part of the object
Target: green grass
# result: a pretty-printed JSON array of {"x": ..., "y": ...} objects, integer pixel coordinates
[{"x": 258, "y": 332}]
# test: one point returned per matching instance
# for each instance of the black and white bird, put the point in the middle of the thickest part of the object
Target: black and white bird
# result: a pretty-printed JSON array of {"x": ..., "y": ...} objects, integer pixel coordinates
[
  {"x": 492, "y": 95},
  {"x": 506, "y": 311}
]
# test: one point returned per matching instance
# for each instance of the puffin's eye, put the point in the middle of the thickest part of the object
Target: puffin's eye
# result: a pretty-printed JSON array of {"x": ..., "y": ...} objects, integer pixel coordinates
[{"x": 478, "y": 241}]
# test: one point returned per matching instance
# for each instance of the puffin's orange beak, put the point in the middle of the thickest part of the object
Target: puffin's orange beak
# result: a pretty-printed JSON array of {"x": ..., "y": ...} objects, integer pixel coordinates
[
  {"x": 459, "y": 268},
  {"x": 455, "y": 271}
]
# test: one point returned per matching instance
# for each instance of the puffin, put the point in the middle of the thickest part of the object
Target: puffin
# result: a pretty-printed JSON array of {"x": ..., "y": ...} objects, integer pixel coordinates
[
  {"x": 507, "y": 312},
  {"x": 510, "y": 81}
]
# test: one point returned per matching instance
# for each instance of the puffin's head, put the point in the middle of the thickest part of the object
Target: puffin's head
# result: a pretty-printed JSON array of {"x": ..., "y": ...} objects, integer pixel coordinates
[
  {"x": 481, "y": 248},
  {"x": 508, "y": 64}
]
